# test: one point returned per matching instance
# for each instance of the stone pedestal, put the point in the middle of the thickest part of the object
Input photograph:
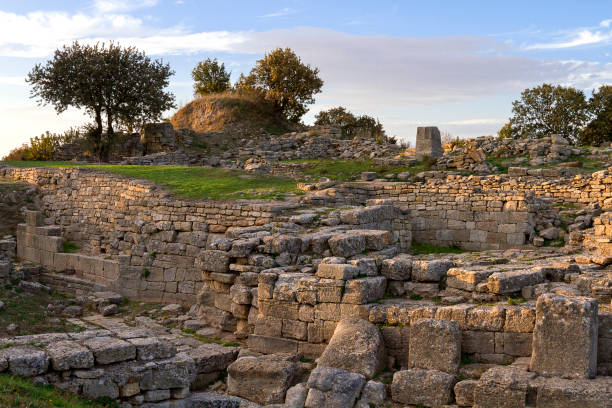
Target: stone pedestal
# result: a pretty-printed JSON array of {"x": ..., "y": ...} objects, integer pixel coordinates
[{"x": 428, "y": 142}]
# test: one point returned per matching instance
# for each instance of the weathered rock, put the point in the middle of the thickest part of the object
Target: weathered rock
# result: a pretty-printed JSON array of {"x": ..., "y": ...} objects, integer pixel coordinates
[
  {"x": 430, "y": 271},
  {"x": 364, "y": 290},
  {"x": 214, "y": 400},
  {"x": 398, "y": 268},
  {"x": 565, "y": 337},
  {"x": 514, "y": 281},
  {"x": 152, "y": 348},
  {"x": 356, "y": 346},
  {"x": 333, "y": 388},
  {"x": 214, "y": 260},
  {"x": 108, "y": 350},
  {"x": 25, "y": 361},
  {"x": 503, "y": 387},
  {"x": 374, "y": 393},
  {"x": 66, "y": 355},
  {"x": 430, "y": 388},
  {"x": 264, "y": 379},
  {"x": 337, "y": 271},
  {"x": 464, "y": 392},
  {"x": 428, "y": 142},
  {"x": 347, "y": 245},
  {"x": 557, "y": 392},
  {"x": 212, "y": 357},
  {"x": 296, "y": 396},
  {"x": 435, "y": 345}
]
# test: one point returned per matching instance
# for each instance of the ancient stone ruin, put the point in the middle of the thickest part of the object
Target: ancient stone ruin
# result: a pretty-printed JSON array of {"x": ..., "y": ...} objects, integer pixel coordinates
[
  {"x": 322, "y": 300},
  {"x": 428, "y": 142}
]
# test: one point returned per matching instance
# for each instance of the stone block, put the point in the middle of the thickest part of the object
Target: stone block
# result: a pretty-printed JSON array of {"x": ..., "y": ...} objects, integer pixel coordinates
[
  {"x": 478, "y": 342},
  {"x": 464, "y": 392},
  {"x": 435, "y": 345},
  {"x": 34, "y": 218},
  {"x": 431, "y": 388},
  {"x": 514, "y": 281},
  {"x": 356, "y": 346},
  {"x": 175, "y": 372},
  {"x": 214, "y": 260},
  {"x": 398, "y": 268},
  {"x": 67, "y": 355},
  {"x": 347, "y": 245},
  {"x": 109, "y": 350},
  {"x": 337, "y": 271},
  {"x": 503, "y": 387},
  {"x": 364, "y": 290},
  {"x": 25, "y": 361},
  {"x": 466, "y": 278},
  {"x": 557, "y": 392},
  {"x": 265, "y": 344},
  {"x": 565, "y": 337},
  {"x": 332, "y": 387},
  {"x": 152, "y": 348},
  {"x": 428, "y": 142},
  {"x": 263, "y": 380},
  {"x": 430, "y": 271}
]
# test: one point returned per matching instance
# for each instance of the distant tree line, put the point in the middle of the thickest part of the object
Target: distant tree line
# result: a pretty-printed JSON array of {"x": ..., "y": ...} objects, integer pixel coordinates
[{"x": 554, "y": 109}]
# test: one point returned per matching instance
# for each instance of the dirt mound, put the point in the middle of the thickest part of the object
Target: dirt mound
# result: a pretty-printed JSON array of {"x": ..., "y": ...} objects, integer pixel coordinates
[{"x": 236, "y": 113}]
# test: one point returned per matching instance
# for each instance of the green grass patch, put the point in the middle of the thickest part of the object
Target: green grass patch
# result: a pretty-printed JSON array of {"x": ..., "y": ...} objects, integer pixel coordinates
[
  {"x": 206, "y": 183},
  {"x": 69, "y": 247},
  {"x": 22, "y": 393},
  {"x": 28, "y": 312},
  {"x": 419, "y": 248},
  {"x": 514, "y": 302},
  {"x": 416, "y": 297},
  {"x": 556, "y": 243},
  {"x": 349, "y": 170}
]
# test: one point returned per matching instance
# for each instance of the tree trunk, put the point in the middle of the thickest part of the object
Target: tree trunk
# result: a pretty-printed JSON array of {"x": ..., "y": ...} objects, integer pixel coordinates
[
  {"x": 110, "y": 135},
  {"x": 98, "y": 135}
]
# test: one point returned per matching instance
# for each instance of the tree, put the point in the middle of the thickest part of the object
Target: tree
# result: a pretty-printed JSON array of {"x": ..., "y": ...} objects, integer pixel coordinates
[
  {"x": 351, "y": 125},
  {"x": 210, "y": 77},
  {"x": 548, "y": 109},
  {"x": 599, "y": 129},
  {"x": 281, "y": 78},
  {"x": 118, "y": 87}
]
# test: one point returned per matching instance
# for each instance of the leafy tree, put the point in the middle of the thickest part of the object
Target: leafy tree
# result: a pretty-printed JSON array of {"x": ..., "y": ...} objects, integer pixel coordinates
[
  {"x": 118, "y": 87},
  {"x": 210, "y": 77},
  {"x": 281, "y": 78},
  {"x": 546, "y": 110},
  {"x": 599, "y": 130},
  {"x": 350, "y": 124}
]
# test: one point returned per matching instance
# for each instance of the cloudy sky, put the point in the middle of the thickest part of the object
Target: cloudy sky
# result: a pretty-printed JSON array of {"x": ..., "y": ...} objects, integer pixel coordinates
[{"x": 454, "y": 64}]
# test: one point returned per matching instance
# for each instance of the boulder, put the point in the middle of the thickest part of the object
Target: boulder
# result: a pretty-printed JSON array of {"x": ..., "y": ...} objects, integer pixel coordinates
[
  {"x": 431, "y": 388},
  {"x": 374, "y": 394},
  {"x": 565, "y": 337},
  {"x": 333, "y": 388},
  {"x": 264, "y": 379},
  {"x": 356, "y": 346},
  {"x": 435, "y": 345}
]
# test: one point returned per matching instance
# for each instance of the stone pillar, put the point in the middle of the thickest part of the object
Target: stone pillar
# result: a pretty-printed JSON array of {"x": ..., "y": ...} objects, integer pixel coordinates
[
  {"x": 428, "y": 142},
  {"x": 565, "y": 337}
]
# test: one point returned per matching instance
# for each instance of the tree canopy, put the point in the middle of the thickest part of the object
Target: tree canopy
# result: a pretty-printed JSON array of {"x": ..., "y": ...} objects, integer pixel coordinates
[
  {"x": 599, "y": 130},
  {"x": 283, "y": 79},
  {"x": 548, "y": 109},
  {"x": 350, "y": 124},
  {"x": 118, "y": 87},
  {"x": 210, "y": 77}
]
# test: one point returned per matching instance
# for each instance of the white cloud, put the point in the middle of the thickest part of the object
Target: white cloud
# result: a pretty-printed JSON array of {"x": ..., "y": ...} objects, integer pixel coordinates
[
  {"x": 576, "y": 38},
  {"x": 12, "y": 80},
  {"x": 121, "y": 6},
  {"x": 470, "y": 122},
  {"x": 280, "y": 13}
]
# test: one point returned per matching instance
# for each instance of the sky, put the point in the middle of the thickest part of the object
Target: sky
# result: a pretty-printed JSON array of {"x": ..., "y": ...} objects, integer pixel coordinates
[{"x": 453, "y": 64}]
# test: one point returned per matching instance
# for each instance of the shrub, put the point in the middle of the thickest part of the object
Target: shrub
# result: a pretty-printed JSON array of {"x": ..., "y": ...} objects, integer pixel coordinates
[
  {"x": 351, "y": 125},
  {"x": 210, "y": 77}
]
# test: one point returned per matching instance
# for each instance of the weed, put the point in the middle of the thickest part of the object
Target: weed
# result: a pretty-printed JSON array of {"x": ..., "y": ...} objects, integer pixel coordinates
[
  {"x": 145, "y": 273},
  {"x": 416, "y": 297},
  {"x": 69, "y": 247},
  {"x": 514, "y": 302}
]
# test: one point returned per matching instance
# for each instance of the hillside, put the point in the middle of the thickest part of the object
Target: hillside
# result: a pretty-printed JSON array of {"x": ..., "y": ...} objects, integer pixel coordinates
[{"x": 230, "y": 113}]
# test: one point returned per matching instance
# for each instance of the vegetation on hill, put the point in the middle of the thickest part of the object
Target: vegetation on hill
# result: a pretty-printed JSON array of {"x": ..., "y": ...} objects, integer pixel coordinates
[
  {"x": 119, "y": 87},
  {"x": 16, "y": 392},
  {"x": 282, "y": 79},
  {"x": 351, "y": 125},
  {"x": 242, "y": 113},
  {"x": 548, "y": 109},
  {"x": 210, "y": 77}
]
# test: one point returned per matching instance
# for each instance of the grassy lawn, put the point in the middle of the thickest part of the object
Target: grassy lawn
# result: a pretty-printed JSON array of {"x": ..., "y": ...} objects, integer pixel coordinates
[
  {"x": 17, "y": 392},
  {"x": 28, "y": 312},
  {"x": 194, "y": 182},
  {"x": 347, "y": 170}
]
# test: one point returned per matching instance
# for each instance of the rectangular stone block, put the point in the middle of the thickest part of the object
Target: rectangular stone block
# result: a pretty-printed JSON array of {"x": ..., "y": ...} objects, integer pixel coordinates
[
  {"x": 478, "y": 342},
  {"x": 429, "y": 388},
  {"x": 565, "y": 337},
  {"x": 270, "y": 345},
  {"x": 34, "y": 218},
  {"x": 514, "y": 281},
  {"x": 337, "y": 271},
  {"x": 435, "y": 345},
  {"x": 108, "y": 350},
  {"x": 364, "y": 290}
]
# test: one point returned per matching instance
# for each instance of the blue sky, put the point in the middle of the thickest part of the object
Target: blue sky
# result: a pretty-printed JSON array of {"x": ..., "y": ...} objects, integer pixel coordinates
[{"x": 454, "y": 64}]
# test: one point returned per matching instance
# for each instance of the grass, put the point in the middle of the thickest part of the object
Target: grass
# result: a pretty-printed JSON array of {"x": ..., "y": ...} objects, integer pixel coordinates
[
  {"x": 349, "y": 170},
  {"x": 208, "y": 340},
  {"x": 69, "y": 247},
  {"x": 193, "y": 182},
  {"x": 556, "y": 243},
  {"x": 514, "y": 302},
  {"x": 419, "y": 248},
  {"x": 18, "y": 392},
  {"x": 28, "y": 312}
]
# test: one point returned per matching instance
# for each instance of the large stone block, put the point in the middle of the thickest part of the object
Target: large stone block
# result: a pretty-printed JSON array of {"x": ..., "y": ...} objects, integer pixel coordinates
[
  {"x": 428, "y": 142},
  {"x": 431, "y": 388},
  {"x": 264, "y": 379},
  {"x": 565, "y": 337},
  {"x": 557, "y": 392},
  {"x": 430, "y": 271},
  {"x": 514, "y": 281},
  {"x": 356, "y": 346},
  {"x": 337, "y": 271},
  {"x": 214, "y": 260},
  {"x": 435, "y": 345},
  {"x": 66, "y": 355},
  {"x": 333, "y": 388},
  {"x": 25, "y": 361},
  {"x": 398, "y": 268},
  {"x": 175, "y": 372},
  {"x": 347, "y": 245},
  {"x": 108, "y": 350},
  {"x": 502, "y": 387},
  {"x": 364, "y": 290}
]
